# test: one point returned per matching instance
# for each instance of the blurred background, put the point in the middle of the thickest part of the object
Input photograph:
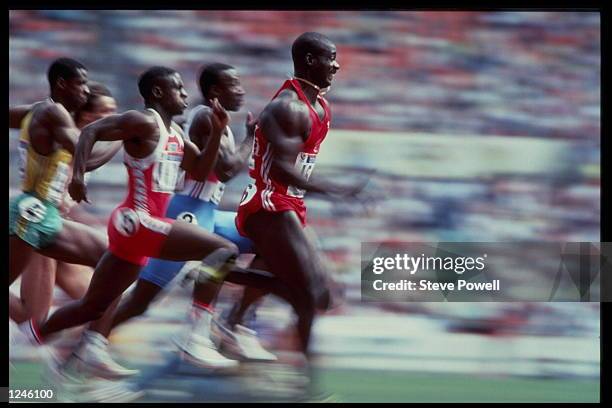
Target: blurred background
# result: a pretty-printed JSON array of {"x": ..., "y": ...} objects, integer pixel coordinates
[{"x": 481, "y": 126}]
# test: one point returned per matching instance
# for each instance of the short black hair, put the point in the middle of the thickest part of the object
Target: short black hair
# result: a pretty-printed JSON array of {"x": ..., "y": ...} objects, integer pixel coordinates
[
  {"x": 210, "y": 76},
  {"x": 96, "y": 90},
  {"x": 149, "y": 78},
  {"x": 66, "y": 68},
  {"x": 309, "y": 42}
]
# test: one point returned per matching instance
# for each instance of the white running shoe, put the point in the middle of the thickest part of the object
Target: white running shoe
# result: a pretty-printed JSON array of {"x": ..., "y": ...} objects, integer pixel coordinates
[
  {"x": 113, "y": 391},
  {"x": 201, "y": 351},
  {"x": 93, "y": 358},
  {"x": 27, "y": 328},
  {"x": 242, "y": 343}
]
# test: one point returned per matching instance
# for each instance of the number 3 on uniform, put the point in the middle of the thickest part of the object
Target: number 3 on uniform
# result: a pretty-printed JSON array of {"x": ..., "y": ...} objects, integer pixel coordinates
[{"x": 188, "y": 217}]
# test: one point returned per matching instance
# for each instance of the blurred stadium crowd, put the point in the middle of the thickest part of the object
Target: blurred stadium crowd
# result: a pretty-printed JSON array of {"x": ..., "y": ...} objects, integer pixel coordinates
[{"x": 515, "y": 78}]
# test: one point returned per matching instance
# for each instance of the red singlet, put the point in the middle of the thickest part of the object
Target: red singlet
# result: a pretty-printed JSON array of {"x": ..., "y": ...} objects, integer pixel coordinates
[
  {"x": 268, "y": 194},
  {"x": 137, "y": 228}
]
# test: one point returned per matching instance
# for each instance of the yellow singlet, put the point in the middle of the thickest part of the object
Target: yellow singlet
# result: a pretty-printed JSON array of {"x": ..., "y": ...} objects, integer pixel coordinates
[{"x": 45, "y": 177}]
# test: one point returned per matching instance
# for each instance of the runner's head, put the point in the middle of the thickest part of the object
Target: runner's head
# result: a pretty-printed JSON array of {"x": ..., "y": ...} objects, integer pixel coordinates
[
  {"x": 221, "y": 81},
  {"x": 163, "y": 88},
  {"x": 314, "y": 59},
  {"x": 68, "y": 83},
  {"x": 100, "y": 103}
]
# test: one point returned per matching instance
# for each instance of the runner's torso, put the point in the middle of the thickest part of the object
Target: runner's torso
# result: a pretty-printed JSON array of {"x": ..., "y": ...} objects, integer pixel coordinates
[
  {"x": 153, "y": 179},
  {"x": 46, "y": 177},
  {"x": 212, "y": 189},
  {"x": 272, "y": 190}
]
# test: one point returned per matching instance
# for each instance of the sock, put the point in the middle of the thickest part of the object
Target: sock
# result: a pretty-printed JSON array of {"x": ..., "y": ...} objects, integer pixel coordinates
[
  {"x": 202, "y": 316},
  {"x": 203, "y": 306}
]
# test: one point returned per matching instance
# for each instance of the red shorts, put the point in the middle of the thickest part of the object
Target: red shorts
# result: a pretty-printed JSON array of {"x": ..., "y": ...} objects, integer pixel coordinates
[
  {"x": 254, "y": 201},
  {"x": 135, "y": 236}
]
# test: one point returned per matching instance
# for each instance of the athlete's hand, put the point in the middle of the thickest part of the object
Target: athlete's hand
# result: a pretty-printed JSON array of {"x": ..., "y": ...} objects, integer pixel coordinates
[
  {"x": 250, "y": 124},
  {"x": 78, "y": 190},
  {"x": 353, "y": 190},
  {"x": 220, "y": 117}
]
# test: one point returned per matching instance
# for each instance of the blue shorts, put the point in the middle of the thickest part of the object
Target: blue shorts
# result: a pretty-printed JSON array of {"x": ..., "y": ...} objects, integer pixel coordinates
[{"x": 204, "y": 214}]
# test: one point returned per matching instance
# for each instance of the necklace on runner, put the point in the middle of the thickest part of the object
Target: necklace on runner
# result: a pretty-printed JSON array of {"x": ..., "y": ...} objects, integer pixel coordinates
[{"x": 321, "y": 91}]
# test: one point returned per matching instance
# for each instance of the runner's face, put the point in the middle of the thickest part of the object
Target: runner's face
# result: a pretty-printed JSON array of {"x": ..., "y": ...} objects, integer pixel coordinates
[
  {"x": 102, "y": 106},
  {"x": 175, "y": 95},
  {"x": 77, "y": 90},
  {"x": 325, "y": 65},
  {"x": 230, "y": 91}
]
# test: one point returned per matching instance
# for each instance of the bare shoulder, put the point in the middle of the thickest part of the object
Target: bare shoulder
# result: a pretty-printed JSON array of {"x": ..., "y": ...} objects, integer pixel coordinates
[
  {"x": 286, "y": 109},
  {"x": 178, "y": 129},
  {"x": 201, "y": 124},
  {"x": 137, "y": 117},
  {"x": 138, "y": 121},
  {"x": 203, "y": 114},
  {"x": 54, "y": 113}
]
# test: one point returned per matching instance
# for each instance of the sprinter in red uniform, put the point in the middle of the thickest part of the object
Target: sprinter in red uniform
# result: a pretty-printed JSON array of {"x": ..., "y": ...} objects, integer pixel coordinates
[{"x": 272, "y": 212}]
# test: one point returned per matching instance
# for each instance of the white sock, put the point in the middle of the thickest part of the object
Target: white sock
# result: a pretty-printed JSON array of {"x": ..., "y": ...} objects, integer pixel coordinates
[{"x": 202, "y": 320}]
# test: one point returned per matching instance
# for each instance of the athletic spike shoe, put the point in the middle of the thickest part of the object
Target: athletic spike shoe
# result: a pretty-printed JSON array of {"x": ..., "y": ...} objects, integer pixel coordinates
[
  {"x": 241, "y": 343},
  {"x": 29, "y": 329},
  {"x": 200, "y": 351},
  {"x": 92, "y": 357}
]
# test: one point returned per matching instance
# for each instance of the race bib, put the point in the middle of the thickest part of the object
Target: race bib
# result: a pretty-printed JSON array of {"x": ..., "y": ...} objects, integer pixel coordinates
[
  {"x": 167, "y": 173},
  {"x": 188, "y": 217},
  {"x": 57, "y": 186},
  {"x": 304, "y": 163},
  {"x": 32, "y": 209},
  {"x": 23, "y": 157}
]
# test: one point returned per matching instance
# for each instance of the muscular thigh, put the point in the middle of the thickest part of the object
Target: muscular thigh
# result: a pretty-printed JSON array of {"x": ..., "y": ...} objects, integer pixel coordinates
[
  {"x": 111, "y": 277},
  {"x": 77, "y": 243},
  {"x": 281, "y": 241},
  {"x": 187, "y": 242}
]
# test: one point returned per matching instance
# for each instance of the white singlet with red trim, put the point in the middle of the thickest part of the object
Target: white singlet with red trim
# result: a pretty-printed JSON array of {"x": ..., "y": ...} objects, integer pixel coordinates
[{"x": 212, "y": 189}]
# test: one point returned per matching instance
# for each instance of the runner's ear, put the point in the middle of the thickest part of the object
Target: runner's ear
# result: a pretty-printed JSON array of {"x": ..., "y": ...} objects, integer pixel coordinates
[
  {"x": 157, "y": 92},
  {"x": 61, "y": 83},
  {"x": 309, "y": 59}
]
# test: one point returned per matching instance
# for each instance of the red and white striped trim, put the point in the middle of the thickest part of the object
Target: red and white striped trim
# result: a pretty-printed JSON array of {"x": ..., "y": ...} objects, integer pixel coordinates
[
  {"x": 266, "y": 194},
  {"x": 154, "y": 224}
]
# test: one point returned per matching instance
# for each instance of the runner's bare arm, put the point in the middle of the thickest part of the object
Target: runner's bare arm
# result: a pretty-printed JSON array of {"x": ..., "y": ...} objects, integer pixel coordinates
[
  {"x": 231, "y": 161},
  {"x": 286, "y": 122},
  {"x": 102, "y": 154},
  {"x": 200, "y": 163},
  {"x": 120, "y": 127},
  {"x": 16, "y": 115}
]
